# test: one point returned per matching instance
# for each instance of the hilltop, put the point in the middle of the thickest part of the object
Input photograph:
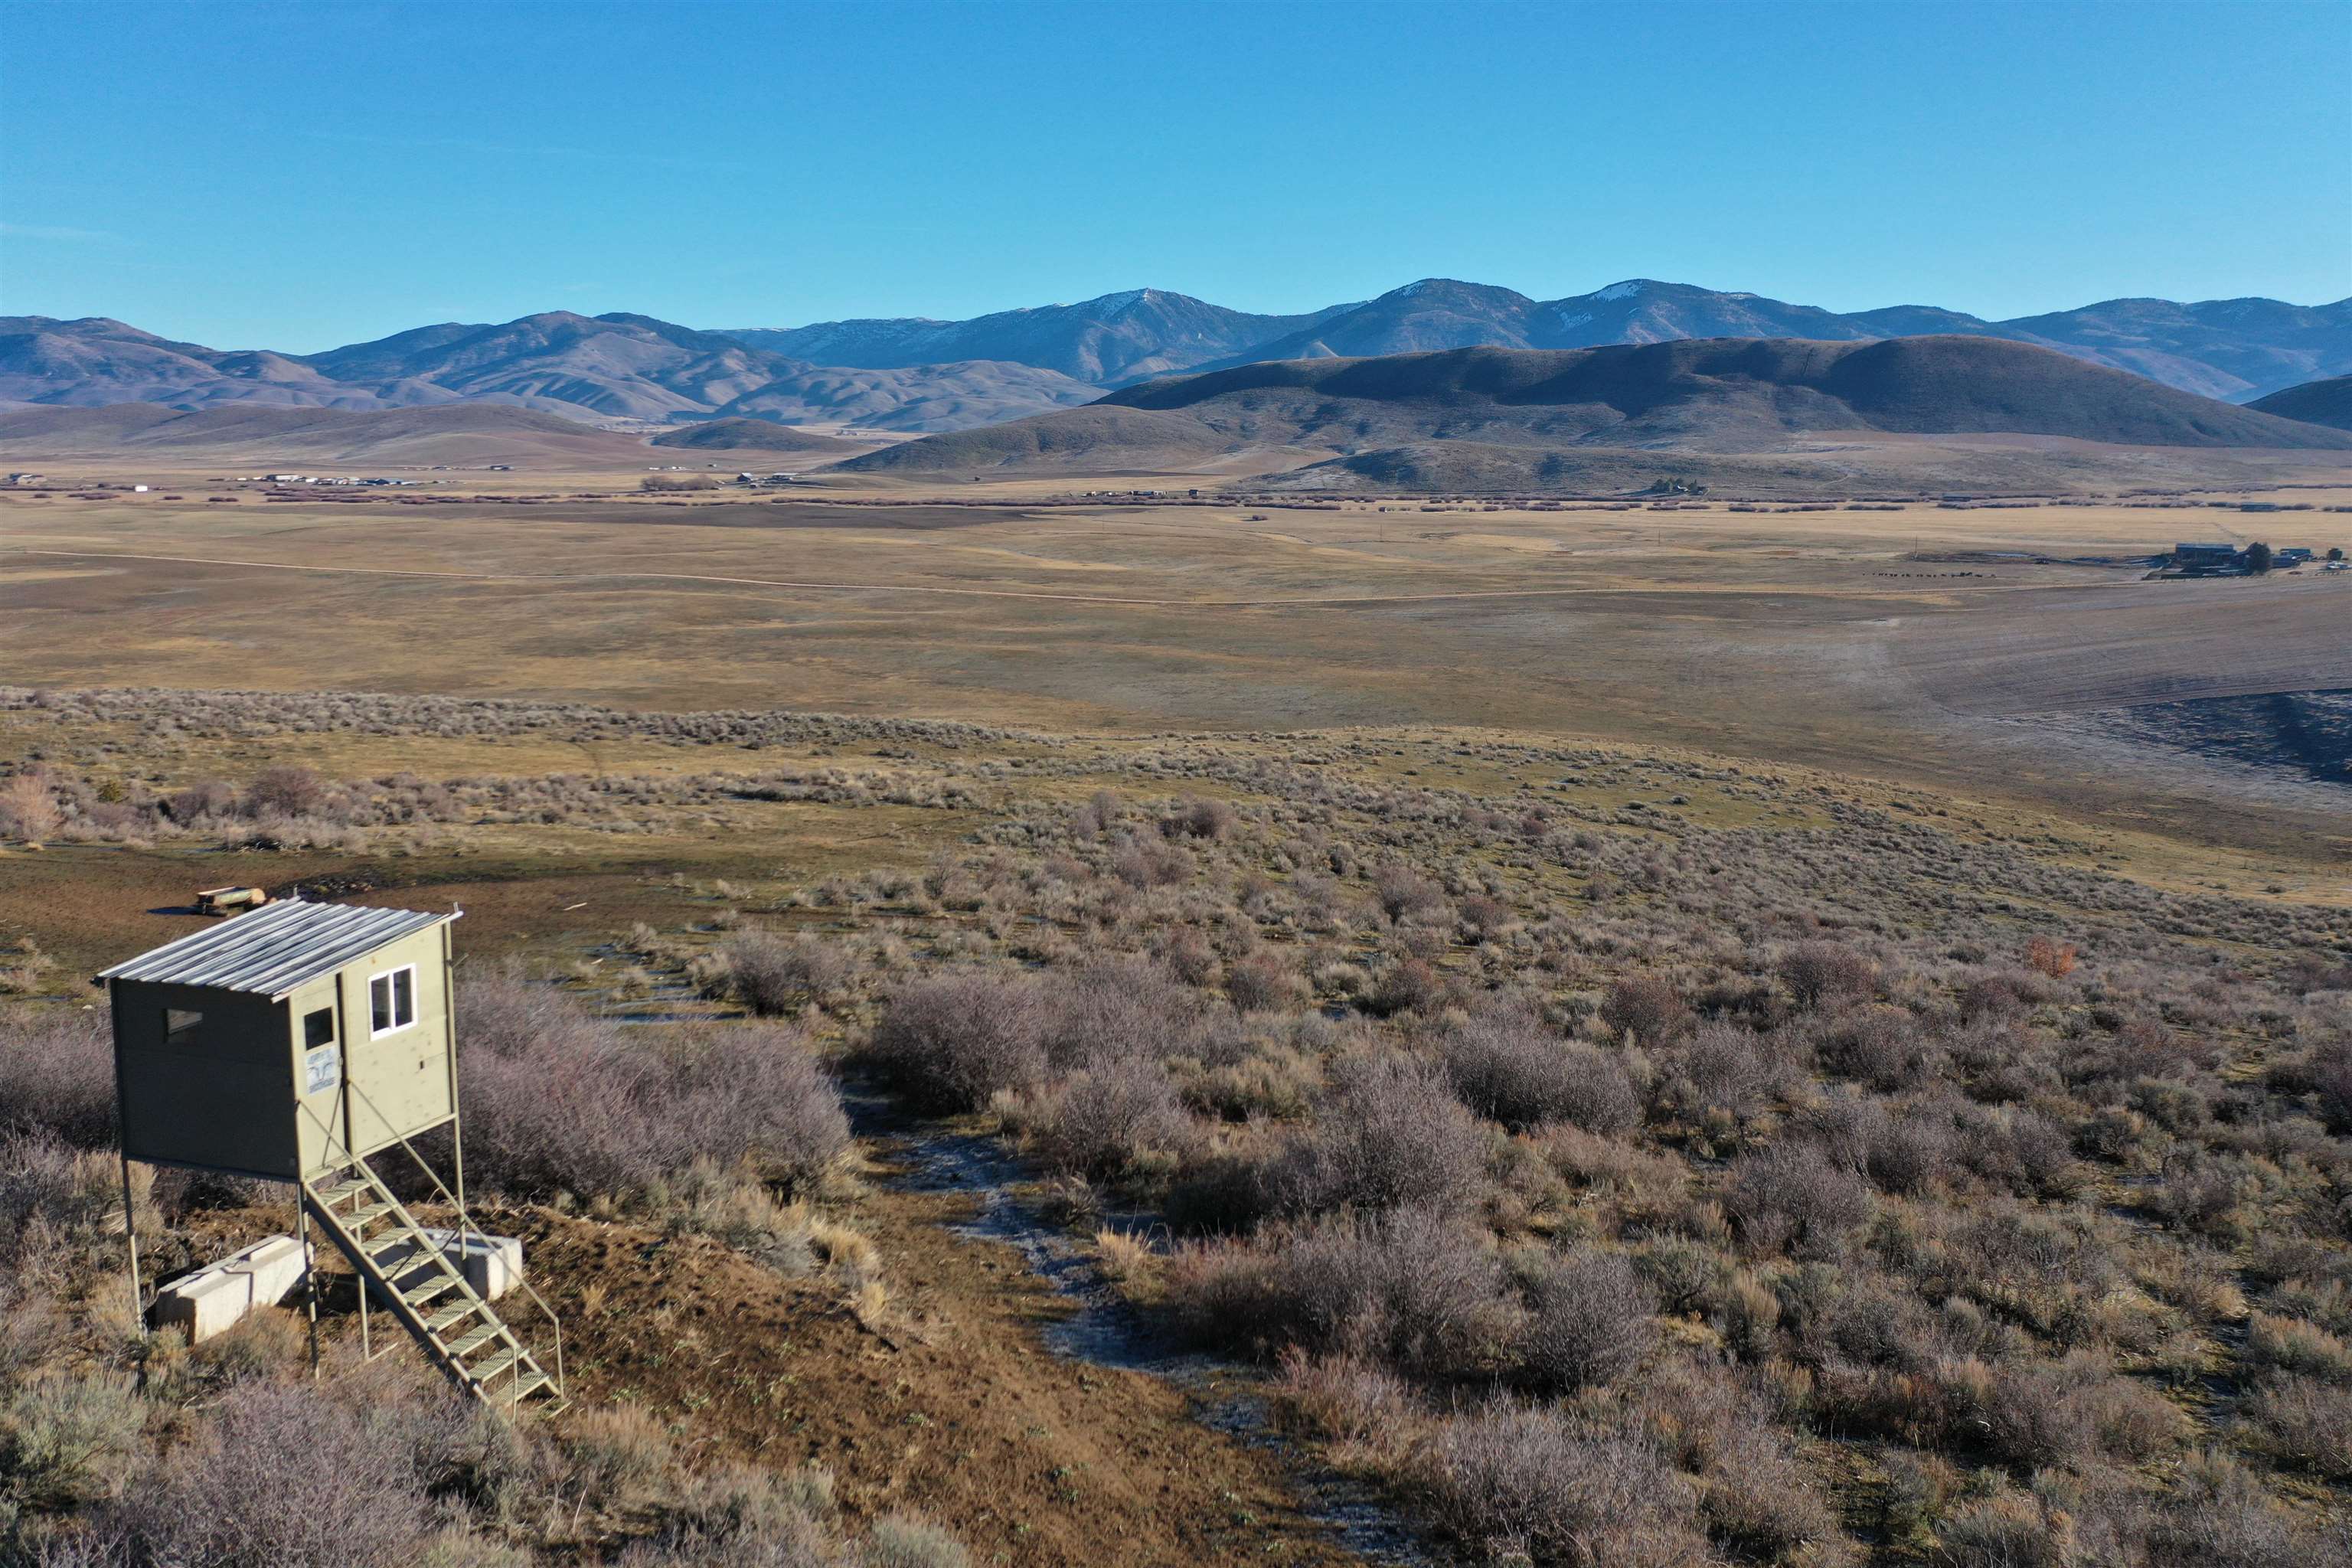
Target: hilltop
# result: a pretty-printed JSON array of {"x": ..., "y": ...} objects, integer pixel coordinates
[
  {"x": 1552, "y": 409},
  {"x": 749, "y": 436},
  {"x": 2327, "y": 402},
  {"x": 1118, "y": 337}
]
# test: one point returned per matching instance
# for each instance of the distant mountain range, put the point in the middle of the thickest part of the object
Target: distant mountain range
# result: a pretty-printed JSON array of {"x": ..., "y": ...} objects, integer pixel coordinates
[
  {"x": 920, "y": 376},
  {"x": 1107, "y": 342},
  {"x": 2236, "y": 350},
  {"x": 1524, "y": 419},
  {"x": 589, "y": 368}
]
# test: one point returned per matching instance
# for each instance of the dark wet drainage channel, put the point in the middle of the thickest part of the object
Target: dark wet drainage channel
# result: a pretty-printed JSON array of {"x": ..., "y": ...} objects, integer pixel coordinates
[{"x": 1106, "y": 1331}]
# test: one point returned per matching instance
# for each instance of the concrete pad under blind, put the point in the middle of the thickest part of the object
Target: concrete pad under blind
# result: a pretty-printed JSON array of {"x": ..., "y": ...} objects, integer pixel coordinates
[
  {"x": 491, "y": 1264},
  {"x": 220, "y": 1295}
]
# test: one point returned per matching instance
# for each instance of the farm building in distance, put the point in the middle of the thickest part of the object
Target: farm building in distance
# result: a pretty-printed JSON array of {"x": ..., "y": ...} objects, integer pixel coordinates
[{"x": 2193, "y": 560}]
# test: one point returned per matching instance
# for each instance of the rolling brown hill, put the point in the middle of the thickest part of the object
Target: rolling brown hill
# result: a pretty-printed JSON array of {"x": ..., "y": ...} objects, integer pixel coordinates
[
  {"x": 450, "y": 433},
  {"x": 923, "y": 399},
  {"x": 1695, "y": 395},
  {"x": 2326, "y": 402},
  {"x": 753, "y": 435}
]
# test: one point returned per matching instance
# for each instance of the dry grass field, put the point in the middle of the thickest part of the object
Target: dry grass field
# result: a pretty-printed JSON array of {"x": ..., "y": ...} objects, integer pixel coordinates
[{"x": 1922, "y": 643}]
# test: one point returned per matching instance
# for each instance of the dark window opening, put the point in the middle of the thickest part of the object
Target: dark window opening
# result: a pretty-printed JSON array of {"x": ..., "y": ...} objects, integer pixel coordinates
[
  {"x": 180, "y": 1026},
  {"x": 318, "y": 1029}
]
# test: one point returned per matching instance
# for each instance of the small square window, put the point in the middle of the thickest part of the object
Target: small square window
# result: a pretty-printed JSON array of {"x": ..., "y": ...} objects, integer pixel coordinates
[
  {"x": 180, "y": 1026},
  {"x": 318, "y": 1028},
  {"x": 391, "y": 1001}
]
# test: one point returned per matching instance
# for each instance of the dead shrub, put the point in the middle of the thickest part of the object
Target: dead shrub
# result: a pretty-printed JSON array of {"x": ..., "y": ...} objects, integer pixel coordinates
[
  {"x": 2304, "y": 1423},
  {"x": 1264, "y": 983},
  {"x": 1405, "y": 894},
  {"x": 1825, "y": 974},
  {"x": 56, "y": 1074},
  {"x": 1881, "y": 1046},
  {"x": 286, "y": 790},
  {"x": 1589, "y": 1320},
  {"x": 1506, "y": 1065},
  {"x": 27, "y": 809},
  {"x": 1112, "y": 1118},
  {"x": 1209, "y": 819},
  {"x": 1532, "y": 1484},
  {"x": 1390, "y": 1134},
  {"x": 2277, "y": 1344},
  {"x": 1115, "y": 1010},
  {"x": 1364, "y": 1411},
  {"x": 1411, "y": 1290},
  {"x": 951, "y": 1042},
  {"x": 901, "y": 1541},
  {"x": 1406, "y": 985},
  {"x": 1793, "y": 1200},
  {"x": 775, "y": 976},
  {"x": 2008, "y": 1530}
]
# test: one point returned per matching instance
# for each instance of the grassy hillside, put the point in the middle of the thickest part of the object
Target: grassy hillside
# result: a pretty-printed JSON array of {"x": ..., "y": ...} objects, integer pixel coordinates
[
  {"x": 747, "y": 436},
  {"x": 2327, "y": 402},
  {"x": 446, "y": 433}
]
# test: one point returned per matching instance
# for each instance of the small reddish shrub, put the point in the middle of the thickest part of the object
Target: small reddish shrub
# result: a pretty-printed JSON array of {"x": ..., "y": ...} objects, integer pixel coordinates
[{"x": 1647, "y": 1007}]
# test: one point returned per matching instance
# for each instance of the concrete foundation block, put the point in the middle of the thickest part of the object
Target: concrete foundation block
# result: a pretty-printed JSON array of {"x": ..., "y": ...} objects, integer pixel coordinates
[
  {"x": 220, "y": 1294},
  {"x": 491, "y": 1264}
]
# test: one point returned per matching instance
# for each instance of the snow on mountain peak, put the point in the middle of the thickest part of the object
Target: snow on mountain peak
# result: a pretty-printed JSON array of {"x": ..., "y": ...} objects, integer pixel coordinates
[{"x": 1626, "y": 290}]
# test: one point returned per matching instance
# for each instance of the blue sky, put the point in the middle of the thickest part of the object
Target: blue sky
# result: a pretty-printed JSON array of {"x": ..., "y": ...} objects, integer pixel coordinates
[{"x": 297, "y": 176}]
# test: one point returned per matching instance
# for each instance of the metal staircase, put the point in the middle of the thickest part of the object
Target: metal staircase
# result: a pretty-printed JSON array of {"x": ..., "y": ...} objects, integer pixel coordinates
[{"x": 460, "y": 1331}]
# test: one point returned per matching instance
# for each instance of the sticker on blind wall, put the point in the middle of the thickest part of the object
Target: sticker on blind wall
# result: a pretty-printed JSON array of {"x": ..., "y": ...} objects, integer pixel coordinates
[{"x": 323, "y": 1069}]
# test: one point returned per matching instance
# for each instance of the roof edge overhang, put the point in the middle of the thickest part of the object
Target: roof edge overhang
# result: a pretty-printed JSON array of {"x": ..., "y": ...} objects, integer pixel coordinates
[{"x": 333, "y": 959}]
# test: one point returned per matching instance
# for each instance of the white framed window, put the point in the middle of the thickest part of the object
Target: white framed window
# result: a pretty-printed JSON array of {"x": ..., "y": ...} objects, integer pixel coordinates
[{"x": 391, "y": 1001}]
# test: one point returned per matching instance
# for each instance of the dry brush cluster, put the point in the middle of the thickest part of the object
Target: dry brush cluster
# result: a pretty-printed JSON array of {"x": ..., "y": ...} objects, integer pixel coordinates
[{"x": 1630, "y": 1193}]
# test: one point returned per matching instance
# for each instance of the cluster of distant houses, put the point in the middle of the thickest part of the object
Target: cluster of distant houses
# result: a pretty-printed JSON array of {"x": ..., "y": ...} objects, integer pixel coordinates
[
  {"x": 2226, "y": 559},
  {"x": 320, "y": 480}
]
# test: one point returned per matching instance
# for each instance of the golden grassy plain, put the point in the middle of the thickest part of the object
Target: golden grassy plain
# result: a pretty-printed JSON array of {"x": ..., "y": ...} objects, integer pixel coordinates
[{"x": 1844, "y": 639}]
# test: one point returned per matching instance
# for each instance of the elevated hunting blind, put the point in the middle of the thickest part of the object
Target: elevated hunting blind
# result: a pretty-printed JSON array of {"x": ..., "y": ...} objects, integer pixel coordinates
[
  {"x": 296, "y": 1044},
  {"x": 284, "y": 1042}
]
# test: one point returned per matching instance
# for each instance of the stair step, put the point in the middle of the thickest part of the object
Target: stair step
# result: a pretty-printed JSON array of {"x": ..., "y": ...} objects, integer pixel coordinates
[
  {"x": 440, "y": 1284},
  {"x": 474, "y": 1340},
  {"x": 377, "y": 1247},
  {"x": 530, "y": 1383},
  {"x": 365, "y": 1213},
  {"x": 494, "y": 1366},
  {"x": 341, "y": 1191},
  {"x": 448, "y": 1316}
]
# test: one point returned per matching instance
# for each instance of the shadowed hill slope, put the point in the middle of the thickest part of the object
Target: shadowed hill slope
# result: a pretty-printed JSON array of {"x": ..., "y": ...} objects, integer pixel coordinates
[
  {"x": 749, "y": 436},
  {"x": 451, "y": 433},
  {"x": 2327, "y": 402},
  {"x": 1714, "y": 395}
]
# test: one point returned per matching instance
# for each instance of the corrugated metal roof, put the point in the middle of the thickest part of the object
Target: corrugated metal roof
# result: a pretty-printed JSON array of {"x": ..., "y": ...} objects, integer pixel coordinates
[{"x": 276, "y": 948}]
